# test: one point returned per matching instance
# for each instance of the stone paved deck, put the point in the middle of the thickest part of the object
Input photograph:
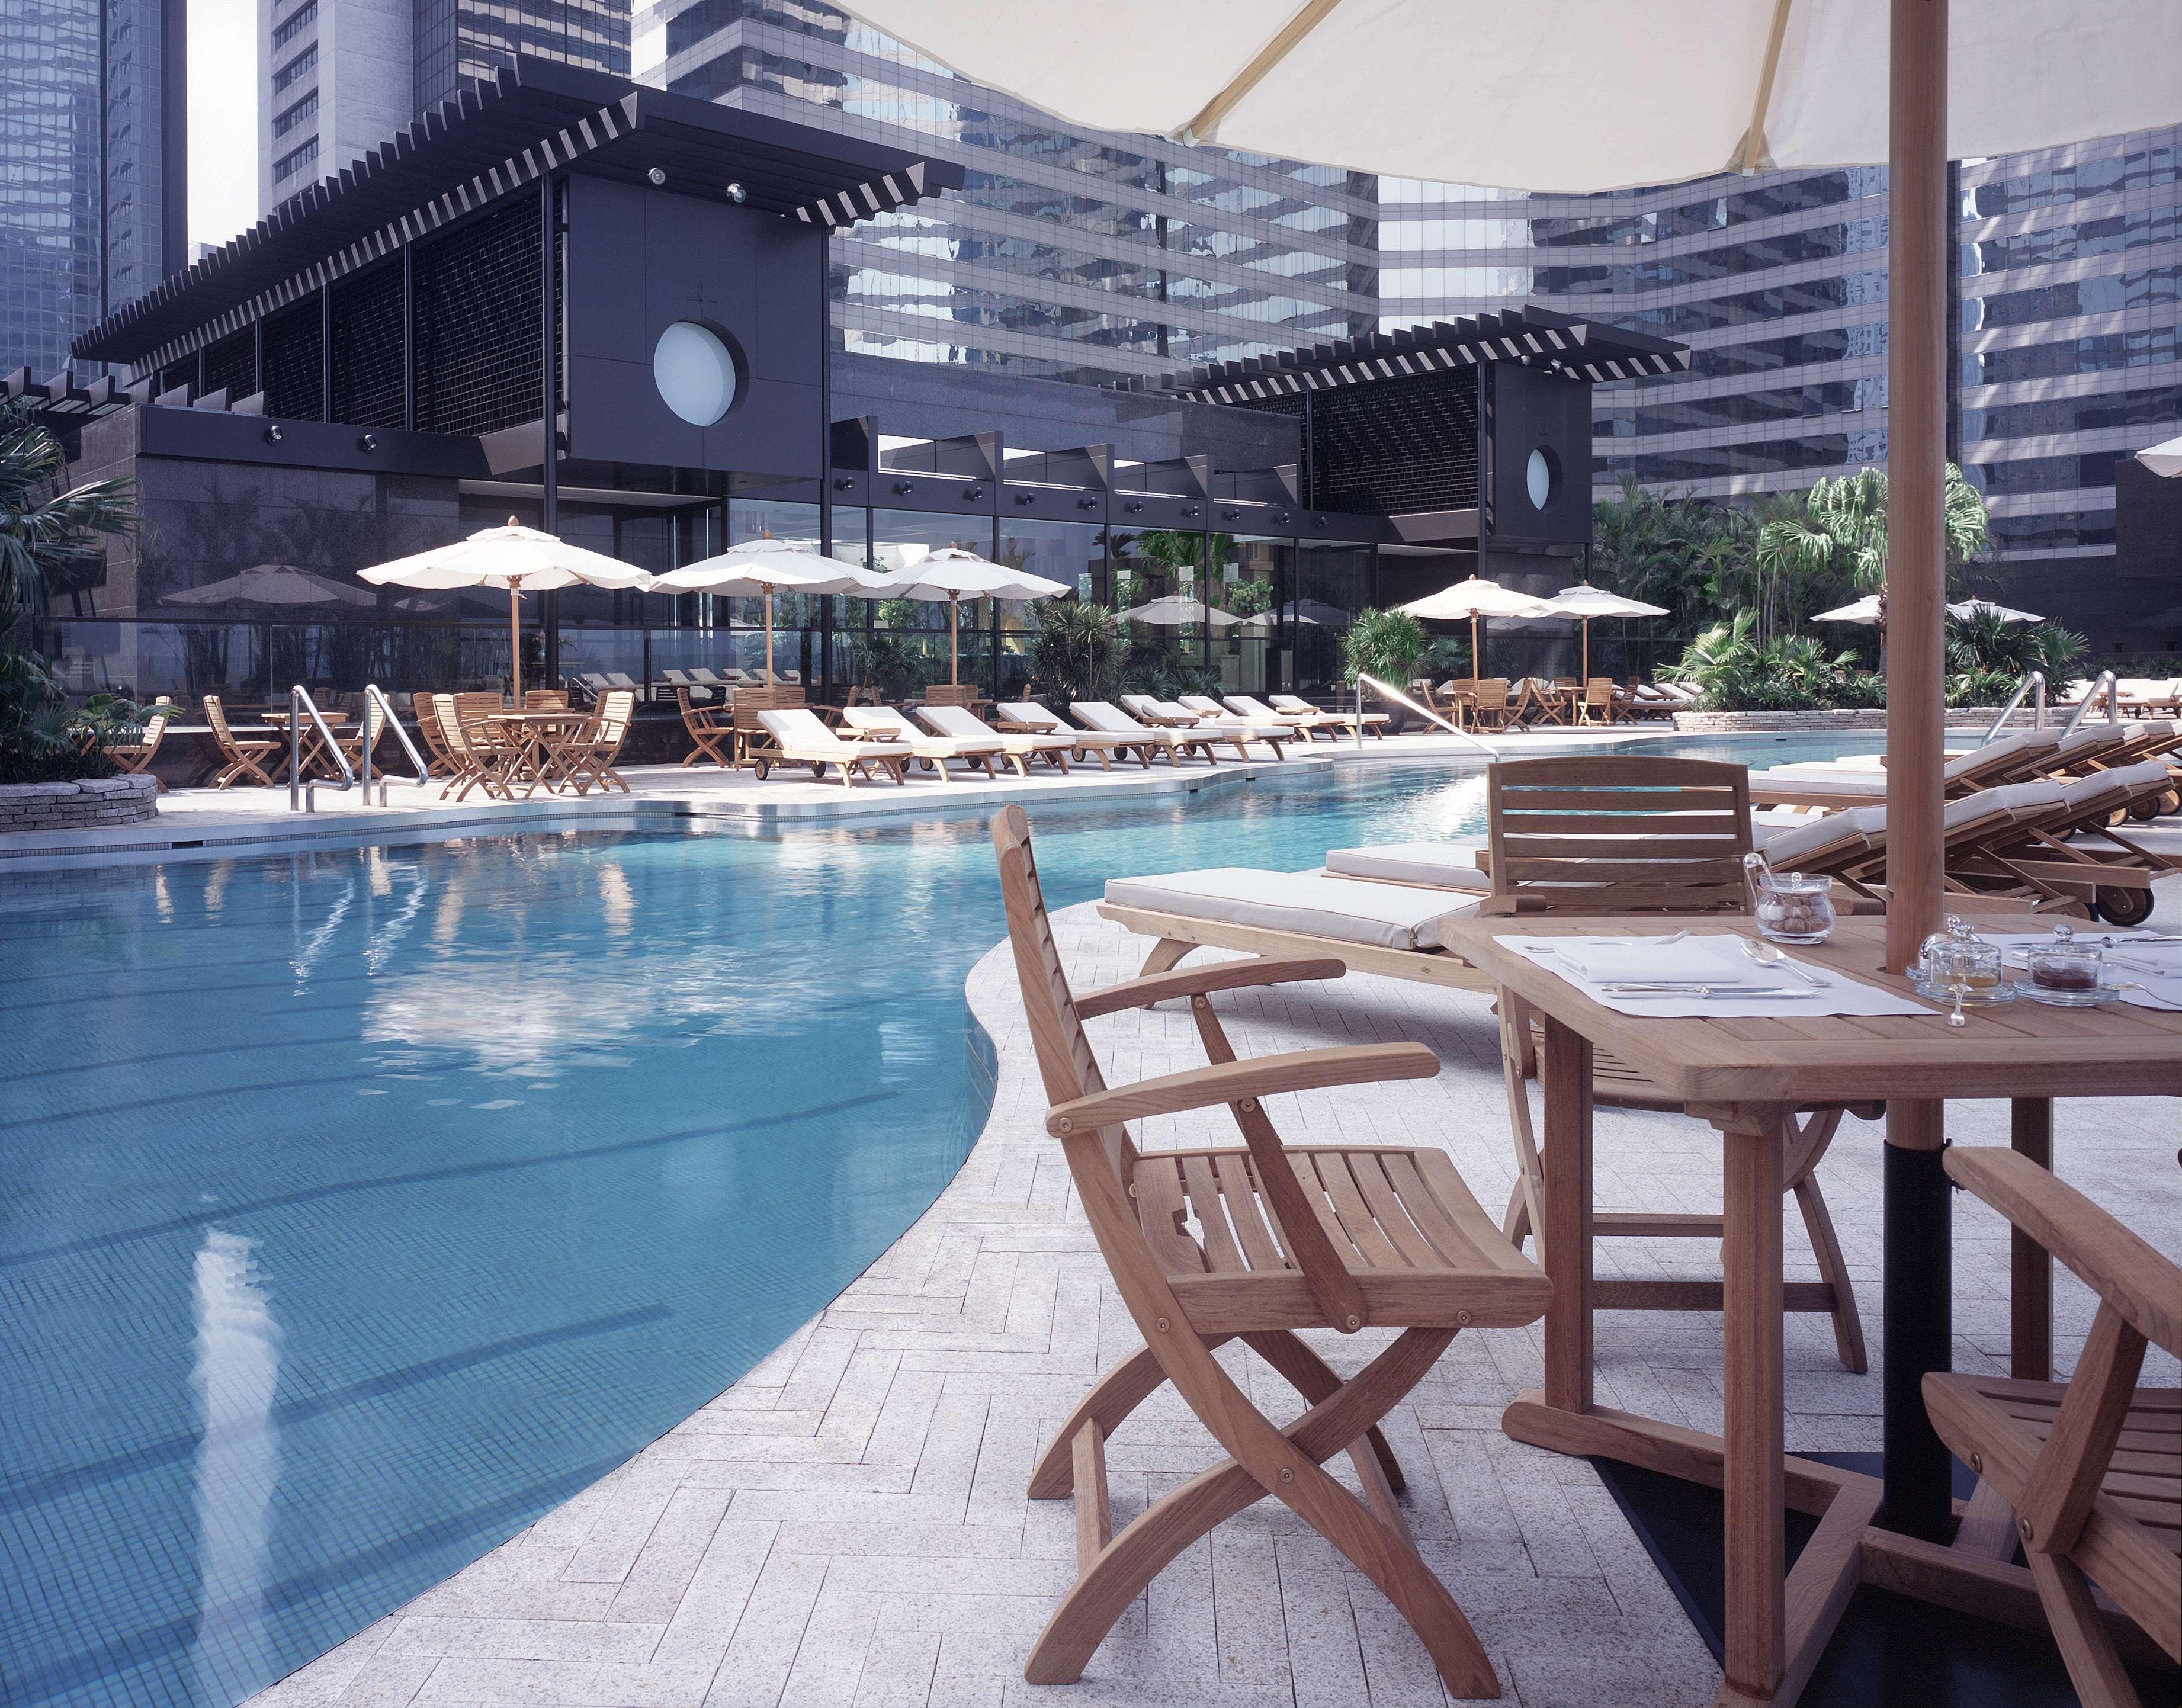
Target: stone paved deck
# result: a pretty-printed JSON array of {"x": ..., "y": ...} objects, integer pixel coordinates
[{"x": 847, "y": 1524}]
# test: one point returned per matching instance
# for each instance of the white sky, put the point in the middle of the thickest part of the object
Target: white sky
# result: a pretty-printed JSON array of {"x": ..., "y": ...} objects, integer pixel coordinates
[{"x": 223, "y": 84}]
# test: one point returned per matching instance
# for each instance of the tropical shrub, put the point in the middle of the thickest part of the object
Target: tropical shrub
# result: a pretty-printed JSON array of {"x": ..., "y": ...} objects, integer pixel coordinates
[
  {"x": 1079, "y": 649},
  {"x": 1733, "y": 671},
  {"x": 1386, "y": 645},
  {"x": 1982, "y": 644},
  {"x": 1246, "y": 598}
]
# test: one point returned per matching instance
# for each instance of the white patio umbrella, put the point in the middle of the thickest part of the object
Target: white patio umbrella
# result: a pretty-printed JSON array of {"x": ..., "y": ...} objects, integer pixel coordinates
[
  {"x": 1304, "y": 613},
  {"x": 1173, "y": 609},
  {"x": 2164, "y": 459},
  {"x": 1473, "y": 598},
  {"x": 1867, "y": 610},
  {"x": 520, "y": 559},
  {"x": 272, "y": 585},
  {"x": 952, "y": 575},
  {"x": 759, "y": 568},
  {"x": 1669, "y": 90},
  {"x": 1583, "y": 602}
]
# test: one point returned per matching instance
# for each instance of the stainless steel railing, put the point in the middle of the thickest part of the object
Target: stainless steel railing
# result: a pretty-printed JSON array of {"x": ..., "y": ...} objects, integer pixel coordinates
[
  {"x": 2032, "y": 679},
  {"x": 1401, "y": 699},
  {"x": 299, "y": 792},
  {"x": 372, "y": 692},
  {"x": 2104, "y": 685}
]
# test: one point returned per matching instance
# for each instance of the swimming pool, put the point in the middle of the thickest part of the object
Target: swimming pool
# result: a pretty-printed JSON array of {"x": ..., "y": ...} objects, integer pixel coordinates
[{"x": 364, "y": 1206}]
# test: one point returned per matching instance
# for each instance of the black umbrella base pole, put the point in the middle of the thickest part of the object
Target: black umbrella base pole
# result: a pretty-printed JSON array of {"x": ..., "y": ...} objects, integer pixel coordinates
[{"x": 1919, "y": 1333}]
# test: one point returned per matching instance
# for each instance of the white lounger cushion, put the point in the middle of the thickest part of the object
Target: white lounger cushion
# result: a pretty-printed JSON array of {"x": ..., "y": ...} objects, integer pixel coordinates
[
  {"x": 886, "y": 721},
  {"x": 1783, "y": 845},
  {"x": 1108, "y": 719},
  {"x": 960, "y": 722},
  {"x": 1216, "y": 717},
  {"x": 797, "y": 731},
  {"x": 1299, "y": 707},
  {"x": 1436, "y": 864},
  {"x": 1310, "y": 903},
  {"x": 1031, "y": 716}
]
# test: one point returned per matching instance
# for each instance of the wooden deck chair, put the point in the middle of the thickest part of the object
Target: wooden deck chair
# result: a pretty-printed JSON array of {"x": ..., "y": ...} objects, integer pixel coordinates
[
  {"x": 545, "y": 700},
  {"x": 245, "y": 760},
  {"x": 1537, "y": 702},
  {"x": 1029, "y": 718},
  {"x": 2114, "y": 881},
  {"x": 370, "y": 725},
  {"x": 1620, "y": 834},
  {"x": 753, "y": 740},
  {"x": 1108, "y": 719},
  {"x": 795, "y": 736},
  {"x": 438, "y": 754},
  {"x": 589, "y": 758},
  {"x": 134, "y": 757},
  {"x": 479, "y": 761},
  {"x": 1019, "y": 748},
  {"x": 710, "y": 739},
  {"x": 1285, "y": 1239},
  {"x": 886, "y": 723},
  {"x": 2086, "y": 1476},
  {"x": 1488, "y": 705},
  {"x": 1597, "y": 705},
  {"x": 961, "y": 693}
]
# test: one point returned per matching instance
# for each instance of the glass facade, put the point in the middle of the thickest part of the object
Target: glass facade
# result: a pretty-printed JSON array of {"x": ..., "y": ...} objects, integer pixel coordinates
[
  {"x": 2065, "y": 340},
  {"x": 459, "y": 41},
  {"x": 80, "y": 222},
  {"x": 1084, "y": 255}
]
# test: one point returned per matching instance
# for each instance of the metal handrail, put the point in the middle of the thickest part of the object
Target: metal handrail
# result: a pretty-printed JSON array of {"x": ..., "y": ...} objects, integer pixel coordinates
[
  {"x": 2031, "y": 678},
  {"x": 372, "y": 691},
  {"x": 300, "y": 700},
  {"x": 2090, "y": 696},
  {"x": 1401, "y": 699}
]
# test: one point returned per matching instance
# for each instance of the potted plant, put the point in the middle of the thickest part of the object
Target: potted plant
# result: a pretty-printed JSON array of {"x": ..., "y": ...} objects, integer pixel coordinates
[{"x": 1386, "y": 646}]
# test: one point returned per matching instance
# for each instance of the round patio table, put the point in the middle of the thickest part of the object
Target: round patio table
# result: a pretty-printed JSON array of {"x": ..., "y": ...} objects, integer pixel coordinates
[
  {"x": 312, "y": 757},
  {"x": 540, "y": 738}
]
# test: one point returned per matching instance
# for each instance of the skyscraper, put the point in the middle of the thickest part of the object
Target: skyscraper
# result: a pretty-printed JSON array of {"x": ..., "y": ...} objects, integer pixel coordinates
[
  {"x": 2064, "y": 333},
  {"x": 343, "y": 75},
  {"x": 91, "y": 128},
  {"x": 1086, "y": 256}
]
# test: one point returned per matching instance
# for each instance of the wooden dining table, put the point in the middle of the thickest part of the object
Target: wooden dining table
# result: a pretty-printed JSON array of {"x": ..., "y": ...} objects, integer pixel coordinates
[
  {"x": 1746, "y": 1077},
  {"x": 541, "y": 738},
  {"x": 313, "y": 758}
]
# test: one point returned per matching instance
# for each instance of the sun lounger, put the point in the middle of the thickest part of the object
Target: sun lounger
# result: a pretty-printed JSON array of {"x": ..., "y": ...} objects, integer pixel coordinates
[
  {"x": 1306, "y": 723},
  {"x": 2014, "y": 759},
  {"x": 793, "y": 736},
  {"x": 1271, "y": 732},
  {"x": 1216, "y": 723},
  {"x": 1108, "y": 719},
  {"x": 1144, "y": 706},
  {"x": 1425, "y": 864},
  {"x": 1293, "y": 906},
  {"x": 2068, "y": 848},
  {"x": 1373, "y": 722},
  {"x": 1019, "y": 749},
  {"x": 884, "y": 723},
  {"x": 1027, "y": 717}
]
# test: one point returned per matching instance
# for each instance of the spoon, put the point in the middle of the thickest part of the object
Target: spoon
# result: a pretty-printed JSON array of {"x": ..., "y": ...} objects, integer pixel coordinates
[
  {"x": 1956, "y": 1019},
  {"x": 1771, "y": 955}
]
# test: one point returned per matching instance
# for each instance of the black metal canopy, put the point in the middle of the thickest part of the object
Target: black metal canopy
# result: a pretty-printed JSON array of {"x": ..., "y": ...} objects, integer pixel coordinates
[
  {"x": 1583, "y": 349},
  {"x": 530, "y": 120}
]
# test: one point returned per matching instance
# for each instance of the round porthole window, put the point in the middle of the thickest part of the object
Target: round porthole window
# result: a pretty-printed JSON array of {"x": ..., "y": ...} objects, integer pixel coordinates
[
  {"x": 1542, "y": 478},
  {"x": 695, "y": 372}
]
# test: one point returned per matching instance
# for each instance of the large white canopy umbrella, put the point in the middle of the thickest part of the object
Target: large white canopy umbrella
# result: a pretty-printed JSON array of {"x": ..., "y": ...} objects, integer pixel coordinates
[
  {"x": 1473, "y": 598},
  {"x": 759, "y": 568},
  {"x": 952, "y": 574},
  {"x": 1304, "y": 613},
  {"x": 1173, "y": 609},
  {"x": 1583, "y": 602},
  {"x": 520, "y": 559},
  {"x": 2164, "y": 459},
  {"x": 1667, "y": 91},
  {"x": 274, "y": 585}
]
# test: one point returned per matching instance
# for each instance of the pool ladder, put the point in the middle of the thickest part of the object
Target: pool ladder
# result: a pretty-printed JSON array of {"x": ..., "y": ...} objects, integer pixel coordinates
[
  {"x": 302, "y": 795},
  {"x": 2032, "y": 680}
]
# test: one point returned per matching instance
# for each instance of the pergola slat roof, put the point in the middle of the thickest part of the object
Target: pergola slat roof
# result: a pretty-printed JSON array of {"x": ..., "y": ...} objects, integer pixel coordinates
[
  {"x": 500, "y": 134},
  {"x": 1583, "y": 349}
]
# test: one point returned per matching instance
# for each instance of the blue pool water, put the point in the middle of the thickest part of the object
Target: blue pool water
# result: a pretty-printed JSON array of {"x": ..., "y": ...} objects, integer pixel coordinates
[{"x": 361, "y": 1207}]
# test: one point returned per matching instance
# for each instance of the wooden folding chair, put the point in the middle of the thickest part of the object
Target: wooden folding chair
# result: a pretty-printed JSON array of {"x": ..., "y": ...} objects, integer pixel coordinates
[
  {"x": 479, "y": 761},
  {"x": 1597, "y": 705},
  {"x": 588, "y": 758},
  {"x": 711, "y": 738},
  {"x": 134, "y": 757},
  {"x": 1286, "y": 1238},
  {"x": 370, "y": 725},
  {"x": 2085, "y": 1475},
  {"x": 245, "y": 759},
  {"x": 1578, "y": 834},
  {"x": 545, "y": 700},
  {"x": 1488, "y": 705}
]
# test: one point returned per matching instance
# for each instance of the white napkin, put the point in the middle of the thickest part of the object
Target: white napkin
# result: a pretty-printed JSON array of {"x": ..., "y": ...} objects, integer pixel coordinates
[
  {"x": 1715, "y": 958},
  {"x": 2157, "y": 966}
]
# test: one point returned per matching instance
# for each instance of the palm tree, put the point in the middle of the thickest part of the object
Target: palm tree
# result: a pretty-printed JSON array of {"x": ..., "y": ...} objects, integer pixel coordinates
[
  {"x": 1842, "y": 529},
  {"x": 52, "y": 540}
]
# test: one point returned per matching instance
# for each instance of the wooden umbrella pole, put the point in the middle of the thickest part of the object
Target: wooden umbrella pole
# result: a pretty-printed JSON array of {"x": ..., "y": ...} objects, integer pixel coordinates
[
  {"x": 769, "y": 681},
  {"x": 954, "y": 653},
  {"x": 1916, "y": 454},
  {"x": 514, "y": 645},
  {"x": 1587, "y": 649},
  {"x": 1473, "y": 649}
]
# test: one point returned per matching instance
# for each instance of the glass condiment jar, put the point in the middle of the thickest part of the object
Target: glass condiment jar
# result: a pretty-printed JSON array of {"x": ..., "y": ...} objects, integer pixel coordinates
[
  {"x": 2066, "y": 974},
  {"x": 1789, "y": 907}
]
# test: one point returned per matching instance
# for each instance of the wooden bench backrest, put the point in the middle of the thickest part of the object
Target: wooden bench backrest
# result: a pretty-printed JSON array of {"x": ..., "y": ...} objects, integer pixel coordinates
[
  {"x": 751, "y": 701},
  {"x": 1592, "y": 834},
  {"x": 950, "y": 693}
]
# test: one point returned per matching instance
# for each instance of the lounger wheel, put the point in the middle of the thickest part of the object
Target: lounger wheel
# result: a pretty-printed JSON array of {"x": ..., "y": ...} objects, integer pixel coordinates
[
  {"x": 2129, "y": 907},
  {"x": 760, "y": 766}
]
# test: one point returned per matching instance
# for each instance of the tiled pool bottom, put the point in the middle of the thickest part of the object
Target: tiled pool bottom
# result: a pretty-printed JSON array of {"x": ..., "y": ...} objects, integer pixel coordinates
[{"x": 362, "y": 1207}]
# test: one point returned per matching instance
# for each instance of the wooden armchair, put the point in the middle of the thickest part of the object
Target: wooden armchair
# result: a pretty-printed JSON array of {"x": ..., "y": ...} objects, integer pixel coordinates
[
  {"x": 2086, "y": 1475},
  {"x": 711, "y": 738},
  {"x": 476, "y": 760},
  {"x": 1580, "y": 834},
  {"x": 1285, "y": 1238},
  {"x": 545, "y": 700},
  {"x": 1488, "y": 705},
  {"x": 588, "y": 758},
  {"x": 1597, "y": 705},
  {"x": 244, "y": 760}
]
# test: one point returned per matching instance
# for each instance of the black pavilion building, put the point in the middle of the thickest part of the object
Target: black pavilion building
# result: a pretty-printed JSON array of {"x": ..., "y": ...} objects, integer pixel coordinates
[{"x": 364, "y": 374}]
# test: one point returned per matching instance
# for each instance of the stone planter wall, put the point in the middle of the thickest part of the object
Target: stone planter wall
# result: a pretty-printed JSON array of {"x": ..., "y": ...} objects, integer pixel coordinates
[
  {"x": 91, "y": 803},
  {"x": 1979, "y": 718}
]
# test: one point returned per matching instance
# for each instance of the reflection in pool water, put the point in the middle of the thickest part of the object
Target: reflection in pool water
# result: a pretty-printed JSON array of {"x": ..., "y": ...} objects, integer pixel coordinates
[{"x": 364, "y": 1206}]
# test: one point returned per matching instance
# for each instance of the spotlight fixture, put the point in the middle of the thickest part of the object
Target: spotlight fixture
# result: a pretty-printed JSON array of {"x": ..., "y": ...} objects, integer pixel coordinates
[
  {"x": 368, "y": 442},
  {"x": 273, "y": 434},
  {"x": 1194, "y": 510},
  {"x": 737, "y": 194},
  {"x": 1282, "y": 517},
  {"x": 1133, "y": 505},
  {"x": 973, "y": 492},
  {"x": 657, "y": 174},
  {"x": 842, "y": 482},
  {"x": 901, "y": 487},
  {"x": 1229, "y": 514},
  {"x": 1026, "y": 498},
  {"x": 1087, "y": 504}
]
